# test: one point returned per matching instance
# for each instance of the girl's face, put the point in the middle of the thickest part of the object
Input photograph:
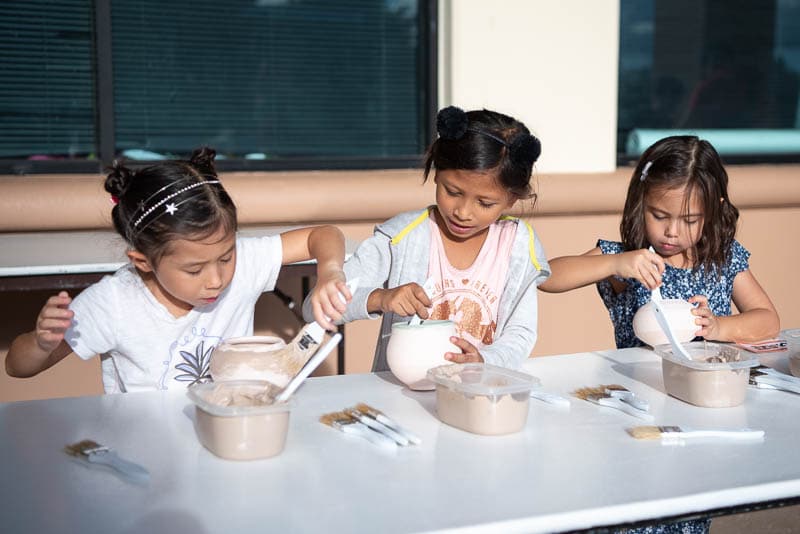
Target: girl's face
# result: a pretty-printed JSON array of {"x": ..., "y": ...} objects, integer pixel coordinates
[
  {"x": 673, "y": 223},
  {"x": 193, "y": 273},
  {"x": 469, "y": 202}
]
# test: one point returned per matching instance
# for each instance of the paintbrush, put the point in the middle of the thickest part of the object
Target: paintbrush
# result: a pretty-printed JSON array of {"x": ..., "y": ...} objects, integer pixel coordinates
[
  {"x": 378, "y": 415},
  {"x": 626, "y": 395},
  {"x": 676, "y": 433},
  {"x": 598, "y": 395},
  {"x": 94, "y": 453},
  {"x": 349, "y": 425}
]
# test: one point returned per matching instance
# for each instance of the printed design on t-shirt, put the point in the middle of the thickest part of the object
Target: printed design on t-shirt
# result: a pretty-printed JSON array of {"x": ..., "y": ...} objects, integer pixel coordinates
[
  {"x": 467, "y": 304},
  {"x": 195, "y": 365},
  {"x": 193, "y": 354}
]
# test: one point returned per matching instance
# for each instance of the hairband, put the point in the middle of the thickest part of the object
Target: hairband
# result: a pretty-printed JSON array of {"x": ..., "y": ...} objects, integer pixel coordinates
[
  {"x": 170, "y": 208},
  {"x": 489, "y": 135},
  {"x": 645, "y": 171}
]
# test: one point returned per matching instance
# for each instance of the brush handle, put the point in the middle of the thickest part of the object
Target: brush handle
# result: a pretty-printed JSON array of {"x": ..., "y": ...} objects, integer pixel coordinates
[
  {"x": 377, "y": 426},
  {"x": 550, "y": 398},
  {"x": 308, "y": 368},
  {"x": 612, "y": 402},
  {"x": 413, "y": 438},
  {"x": 774, "y": 373},
  {"x": 777, "y": 383},
  {"x": 661, "y": 319},
  {"x": 360, "y": 429},
  {"x": 738, "y": 434},
  {"x": 630, "y": 398},
  {"x": 111, "y": 458}
]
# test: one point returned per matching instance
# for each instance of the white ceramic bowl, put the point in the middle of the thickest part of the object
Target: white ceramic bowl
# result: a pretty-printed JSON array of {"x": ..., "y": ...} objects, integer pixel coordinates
[
  {"x": 413, "y": 349},
  {"x": 679, "y": 315},
  {"x": 248, "y": 358}
]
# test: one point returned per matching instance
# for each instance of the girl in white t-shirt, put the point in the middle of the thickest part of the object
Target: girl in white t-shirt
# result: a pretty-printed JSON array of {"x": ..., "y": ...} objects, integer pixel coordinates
[{"x": 190, "y": 283}]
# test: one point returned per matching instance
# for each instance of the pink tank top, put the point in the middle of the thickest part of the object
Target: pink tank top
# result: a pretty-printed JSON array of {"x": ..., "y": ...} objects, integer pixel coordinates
[{"x": 471, "y": 297}]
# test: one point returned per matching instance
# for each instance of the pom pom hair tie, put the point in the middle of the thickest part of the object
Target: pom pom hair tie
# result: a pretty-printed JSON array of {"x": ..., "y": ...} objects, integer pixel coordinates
[{"x": 646, "y": 169}]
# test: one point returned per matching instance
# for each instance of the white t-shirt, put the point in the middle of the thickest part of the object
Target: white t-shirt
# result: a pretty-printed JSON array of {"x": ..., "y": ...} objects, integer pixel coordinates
[{"x": 144, "y": 347}]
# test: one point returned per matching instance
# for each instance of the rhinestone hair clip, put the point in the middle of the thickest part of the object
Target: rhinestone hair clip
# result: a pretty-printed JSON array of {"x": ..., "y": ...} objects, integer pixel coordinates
[
  {"x": 167, "y": 198},
  {"x": 646, "y": 169}
]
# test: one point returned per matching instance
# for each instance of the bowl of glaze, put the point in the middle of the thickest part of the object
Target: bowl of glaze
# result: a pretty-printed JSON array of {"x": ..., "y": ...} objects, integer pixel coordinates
[
  {"x": 482, "y": 398},
  {"x": 249, "y": 358},
  {"x": 716, "y": 377},
  {"x": 413, "y": 349},
  {"x": 678, "y": 313},
  {"x": 235, "y": 421}
]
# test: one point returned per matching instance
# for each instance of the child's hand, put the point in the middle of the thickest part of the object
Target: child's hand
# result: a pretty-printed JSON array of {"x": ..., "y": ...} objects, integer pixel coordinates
[
  {"x": 643, "y": 265},
  {"x": 326, "y": 299},
  {"x": 708, "y": 322},
  {"x": 53, "y": 321},
  {"x": 469, "y": 354},
  {"x": 406, "y": 300}
]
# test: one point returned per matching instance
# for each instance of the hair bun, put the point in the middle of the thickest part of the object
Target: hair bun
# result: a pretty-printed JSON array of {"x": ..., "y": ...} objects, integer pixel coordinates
[
  {"x": 451, "y": 123},
  {"x": 118, "y": 179},
  {"x": 525, "y": 149},
  {"x": 203, "y": 160}
]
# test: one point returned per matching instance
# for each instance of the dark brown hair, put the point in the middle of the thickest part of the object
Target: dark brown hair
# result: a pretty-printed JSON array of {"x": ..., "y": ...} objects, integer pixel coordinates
[
  {"x": 691, "y": 163},
  {"x": 485, "y": 141},
  {"x": 140, "y": 214}
]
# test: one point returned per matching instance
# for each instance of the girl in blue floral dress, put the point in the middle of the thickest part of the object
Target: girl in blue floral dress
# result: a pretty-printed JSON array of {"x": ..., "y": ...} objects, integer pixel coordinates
[
  {"x": 677, "y": 228},
  {"x": 677, "y": 204}
]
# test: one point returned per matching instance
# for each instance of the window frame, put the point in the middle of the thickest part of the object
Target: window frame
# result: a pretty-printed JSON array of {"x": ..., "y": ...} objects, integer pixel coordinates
[{"x": 427, "y": 18}]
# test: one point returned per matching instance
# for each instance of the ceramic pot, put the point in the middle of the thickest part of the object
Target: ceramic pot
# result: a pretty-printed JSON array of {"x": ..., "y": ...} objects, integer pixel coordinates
[
  {"x": 413, "y": 349},
  {"x": 679, "y": 315},
  {"x": 248, "y": 358}
]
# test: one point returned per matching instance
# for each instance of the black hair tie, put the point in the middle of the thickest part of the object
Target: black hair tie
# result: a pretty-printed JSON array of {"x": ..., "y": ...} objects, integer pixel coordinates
[
  {"x": 525, "y": 149},
  {"x": 451, "y": 123}
]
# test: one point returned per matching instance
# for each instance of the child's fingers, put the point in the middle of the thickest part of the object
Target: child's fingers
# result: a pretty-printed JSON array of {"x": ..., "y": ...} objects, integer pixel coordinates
[{"x": 322, "y": 318}]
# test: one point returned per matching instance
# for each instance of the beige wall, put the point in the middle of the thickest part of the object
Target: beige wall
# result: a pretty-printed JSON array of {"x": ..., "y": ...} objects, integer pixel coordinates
[
  {"x": 552, "y": 65},
  {"x": 572, "y": 212}
]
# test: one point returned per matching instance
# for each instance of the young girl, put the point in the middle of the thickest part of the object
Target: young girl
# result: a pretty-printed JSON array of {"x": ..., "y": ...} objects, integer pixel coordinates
[
  {"x": 190, "y": 283},
  {"x": 677, "y": 204},
  {"x": 485, "y": 266}
]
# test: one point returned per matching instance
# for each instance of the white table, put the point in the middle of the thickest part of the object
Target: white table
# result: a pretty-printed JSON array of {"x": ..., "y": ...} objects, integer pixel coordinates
[{"x": 569, "y": 469}]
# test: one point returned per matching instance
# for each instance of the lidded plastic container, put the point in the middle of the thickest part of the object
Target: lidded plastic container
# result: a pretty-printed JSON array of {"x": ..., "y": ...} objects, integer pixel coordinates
[
  {"x": 235, "y": 422},
  {"x": 716, "y": 377},
  {"x": 482, "y": 398}
]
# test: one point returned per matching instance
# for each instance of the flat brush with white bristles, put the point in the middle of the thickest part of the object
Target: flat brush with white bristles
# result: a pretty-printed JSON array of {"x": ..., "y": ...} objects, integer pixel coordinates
[{"x": 677, "y": 433}]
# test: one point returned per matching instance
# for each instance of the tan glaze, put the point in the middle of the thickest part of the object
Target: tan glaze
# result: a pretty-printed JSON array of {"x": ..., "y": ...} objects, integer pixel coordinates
[
  {"x": 719, "y": 388},
  {"x": 794, "y": 364},
  {"x": 258, "y": 430},
  {"x": 482, "y": 414}
]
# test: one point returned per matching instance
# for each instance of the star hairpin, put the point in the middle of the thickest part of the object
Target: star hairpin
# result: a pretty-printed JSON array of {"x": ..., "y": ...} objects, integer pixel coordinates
[{"x": 171, "y": 208}]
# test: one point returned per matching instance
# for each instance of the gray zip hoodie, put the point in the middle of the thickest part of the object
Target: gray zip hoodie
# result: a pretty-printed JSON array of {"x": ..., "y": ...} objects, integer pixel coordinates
[{"x": 398, "y": 253}]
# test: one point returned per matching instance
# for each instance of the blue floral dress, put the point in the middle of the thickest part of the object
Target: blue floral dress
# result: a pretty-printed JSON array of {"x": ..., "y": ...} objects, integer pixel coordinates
[{"x": 716, "y": 285}]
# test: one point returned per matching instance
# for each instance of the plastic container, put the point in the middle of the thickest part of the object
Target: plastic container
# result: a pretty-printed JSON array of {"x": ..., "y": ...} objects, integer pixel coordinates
[
  {"x": 248, "y": 358},
  {"x": 481, "y": 398},
  {"x": 794, "y": 364},
  {"x": 413, "y": 349},
  {"x": 234, "y": 423},
  {"x": 716, "y": 377},
  {"x": 678, "y": 313}
]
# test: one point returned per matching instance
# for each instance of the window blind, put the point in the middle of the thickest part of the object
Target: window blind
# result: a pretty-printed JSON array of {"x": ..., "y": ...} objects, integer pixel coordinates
[
  {"x": 47, "y": 92},
  {"x": 268, "y": 78}
]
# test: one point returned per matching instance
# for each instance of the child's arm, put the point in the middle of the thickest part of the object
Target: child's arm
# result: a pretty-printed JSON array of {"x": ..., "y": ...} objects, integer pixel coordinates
[
  {"x": 33, "y": 352},
  {"x": 757, "y": 318},
  {"x": 572, "y": 272},
  {"x": 326, "y": 245}
]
